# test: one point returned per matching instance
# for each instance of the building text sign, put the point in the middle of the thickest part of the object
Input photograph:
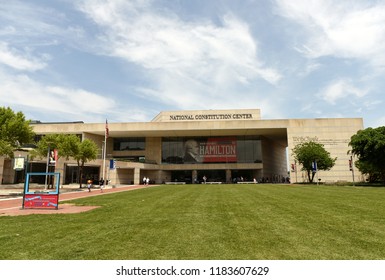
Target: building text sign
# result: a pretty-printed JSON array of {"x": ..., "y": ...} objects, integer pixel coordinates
[{"x": 205, "y": 117}]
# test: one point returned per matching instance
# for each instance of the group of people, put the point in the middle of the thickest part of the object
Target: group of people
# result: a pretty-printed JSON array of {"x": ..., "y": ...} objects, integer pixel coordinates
[
  {"x": 101, "y": 185},
  {"x": 146, "y": 181}
]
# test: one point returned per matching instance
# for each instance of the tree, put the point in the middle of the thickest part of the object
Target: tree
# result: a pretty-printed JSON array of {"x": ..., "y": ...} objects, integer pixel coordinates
[
  {"x": 50, "y": 141},
  {"x": 368, "y": 169},
  {"x": 308, "y": 152},
  {"x": 369, "y": 147},
  {"x": 83, "y": 151},
  {"x": 69, "y": 146},
  {"x": 47, "y": 143},
  {"x": 14, "y": 131}
]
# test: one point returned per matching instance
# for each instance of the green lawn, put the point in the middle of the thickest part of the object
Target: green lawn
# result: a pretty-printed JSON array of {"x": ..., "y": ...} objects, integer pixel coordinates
[{"x": 274, "y": 222}]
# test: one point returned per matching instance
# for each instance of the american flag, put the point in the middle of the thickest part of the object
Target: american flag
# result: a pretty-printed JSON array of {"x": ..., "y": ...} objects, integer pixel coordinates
[{"x": 106, "y": 132}]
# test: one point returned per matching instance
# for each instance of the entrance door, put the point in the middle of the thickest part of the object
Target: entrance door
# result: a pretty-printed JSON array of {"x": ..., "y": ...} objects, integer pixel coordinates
[
  {"x": 243, "y": 174},
  {"x": 182, "y": 176},
  {"x": 89, "y": 173},
  {"x": 212, "y": 175}
]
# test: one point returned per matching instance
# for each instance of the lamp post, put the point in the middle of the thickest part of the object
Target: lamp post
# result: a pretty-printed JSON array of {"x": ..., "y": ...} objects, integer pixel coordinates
[
  {"x": 351, "y": 168},
  {"x": 46, "y": 169}
]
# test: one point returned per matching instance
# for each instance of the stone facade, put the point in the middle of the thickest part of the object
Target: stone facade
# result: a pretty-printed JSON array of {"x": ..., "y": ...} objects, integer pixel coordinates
[{"x": 277, "y": 137}]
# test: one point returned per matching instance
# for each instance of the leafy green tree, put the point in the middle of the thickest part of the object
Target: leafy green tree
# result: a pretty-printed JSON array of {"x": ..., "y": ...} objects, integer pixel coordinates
[
  {"x": 369, "y": 147},
  {"x": 307, "y": 152},
  {"x": 82, "y": 152},
  {"x": 47, "y": 144},
  {"x": 49, "y": 141},
  {"x": 368, "y": 169},
  {"x": 14, "y": 131},
  {"x": 69, "y": 146}
]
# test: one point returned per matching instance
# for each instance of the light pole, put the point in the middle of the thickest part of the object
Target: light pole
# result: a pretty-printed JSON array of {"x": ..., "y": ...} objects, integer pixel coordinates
[
  {"x": 46, "y": 169},
  {"x": 351, "y": 168}
]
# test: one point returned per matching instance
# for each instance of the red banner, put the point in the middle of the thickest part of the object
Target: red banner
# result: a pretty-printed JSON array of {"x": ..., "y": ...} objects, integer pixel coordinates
[
  {"x": 222, "y": 149},
  {"x": 49, "y": 201}
]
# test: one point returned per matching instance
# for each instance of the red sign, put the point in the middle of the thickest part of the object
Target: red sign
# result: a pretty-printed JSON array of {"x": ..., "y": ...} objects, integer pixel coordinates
[
  {"x": 49, "y": 201},
  {"x": 219, "y": 150}
]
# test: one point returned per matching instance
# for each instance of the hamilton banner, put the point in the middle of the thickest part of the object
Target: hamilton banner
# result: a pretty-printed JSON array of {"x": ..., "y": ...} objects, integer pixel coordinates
[
  {"x": 219, "y": 150},
  {"x": 214, "y": 149}
]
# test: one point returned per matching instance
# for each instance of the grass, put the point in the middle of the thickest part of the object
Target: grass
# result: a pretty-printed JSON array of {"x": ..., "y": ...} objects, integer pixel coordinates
[{"x": 274, "y": 222}]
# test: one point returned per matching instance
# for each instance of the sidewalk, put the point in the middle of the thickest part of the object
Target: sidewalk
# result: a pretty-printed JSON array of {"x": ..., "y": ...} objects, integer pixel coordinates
[{"x": 13, "y": 206}]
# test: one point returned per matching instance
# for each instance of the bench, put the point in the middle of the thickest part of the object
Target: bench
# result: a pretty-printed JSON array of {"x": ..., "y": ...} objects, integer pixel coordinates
[
  {"x": 212, "y": 183},
  {"x": 329, "y": 182},
  {"x": 342, "y": 182},
  {"x": 15, "y": 193},
  {"x": 175, "y": 183},
  {"x": 247, "y": 182}
]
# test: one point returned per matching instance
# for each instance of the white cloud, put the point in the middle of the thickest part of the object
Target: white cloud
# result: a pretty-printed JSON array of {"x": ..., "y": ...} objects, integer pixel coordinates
[
  {"x": 372, "y": 104},
  {"x": 25, "y": 23},
  {"x": 377, "y": 122},
  {"x": 308, "y": 69},
  {"x": 59, "y": 102},
  {"x": 18, "y": 60},
  {"x": 350, "y": 29},
  {"x": 29, "y": 28},
  {"x": 341, "y": 89},
  {"x": 188, "y": 61}
]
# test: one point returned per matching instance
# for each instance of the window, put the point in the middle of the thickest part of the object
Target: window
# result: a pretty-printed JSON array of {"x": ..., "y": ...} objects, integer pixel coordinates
[
  {"x": 129, "y": 144},
  {"x": 223, "y": 149}
]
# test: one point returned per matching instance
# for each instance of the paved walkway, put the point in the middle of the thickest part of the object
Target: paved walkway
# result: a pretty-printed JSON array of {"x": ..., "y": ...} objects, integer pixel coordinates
[{"x": 13, "y": 206}]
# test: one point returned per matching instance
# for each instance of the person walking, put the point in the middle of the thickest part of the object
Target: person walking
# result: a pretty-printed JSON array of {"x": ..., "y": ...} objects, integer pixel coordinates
[
  {"x": 89, "y": 185},
  {"x": 101, "y": 184}
]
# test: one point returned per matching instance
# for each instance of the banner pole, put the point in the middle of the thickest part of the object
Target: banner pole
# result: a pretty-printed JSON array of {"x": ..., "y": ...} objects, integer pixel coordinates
[
  {"x": 352, "y": 167},
  {"x": 104, "y": 154},
  {"x": 104, "y": 161},
  {"x": 47, "y": 168}
]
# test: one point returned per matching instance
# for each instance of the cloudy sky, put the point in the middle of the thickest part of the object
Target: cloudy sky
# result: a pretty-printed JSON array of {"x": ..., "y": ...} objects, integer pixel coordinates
[{"x": 128, "y": 60}]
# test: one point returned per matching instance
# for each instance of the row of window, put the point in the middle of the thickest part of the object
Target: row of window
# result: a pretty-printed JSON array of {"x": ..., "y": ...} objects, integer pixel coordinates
[
  {"x": 179, "y": 150},
  {"x": 129, "y": 144},
  {"x": 239, "y": 149}
]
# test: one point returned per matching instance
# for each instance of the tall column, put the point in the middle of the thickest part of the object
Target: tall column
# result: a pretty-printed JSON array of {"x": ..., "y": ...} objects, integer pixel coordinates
[
  {"x": 228, "y": 175},
  {"x": 136, "y": 176},
  {"x": 2, "y": 166},
  {"x": 194, "y": 176}
]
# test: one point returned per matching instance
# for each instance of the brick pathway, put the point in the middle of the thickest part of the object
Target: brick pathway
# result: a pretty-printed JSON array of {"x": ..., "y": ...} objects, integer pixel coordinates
[{"x": 13, "y": 206}]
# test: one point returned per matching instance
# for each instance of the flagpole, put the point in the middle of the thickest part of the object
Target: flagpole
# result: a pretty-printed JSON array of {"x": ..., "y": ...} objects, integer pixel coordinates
[
  {"x": 104, "y": 160},
  {"x": 104, "y": 154},
  {"x": 351, "y": 168}
]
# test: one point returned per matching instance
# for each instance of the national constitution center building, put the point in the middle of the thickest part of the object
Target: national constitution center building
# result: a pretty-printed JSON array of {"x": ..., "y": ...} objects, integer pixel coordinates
[{"x": 185, "y": 146}]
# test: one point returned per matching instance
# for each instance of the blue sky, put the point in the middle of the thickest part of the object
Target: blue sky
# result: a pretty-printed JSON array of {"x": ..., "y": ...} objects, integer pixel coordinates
[{"x": 126, "y": 61}]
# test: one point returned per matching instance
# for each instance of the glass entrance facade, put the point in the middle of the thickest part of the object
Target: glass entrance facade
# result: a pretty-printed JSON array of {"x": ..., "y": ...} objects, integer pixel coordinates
[{"x": 206, "y": 150}]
